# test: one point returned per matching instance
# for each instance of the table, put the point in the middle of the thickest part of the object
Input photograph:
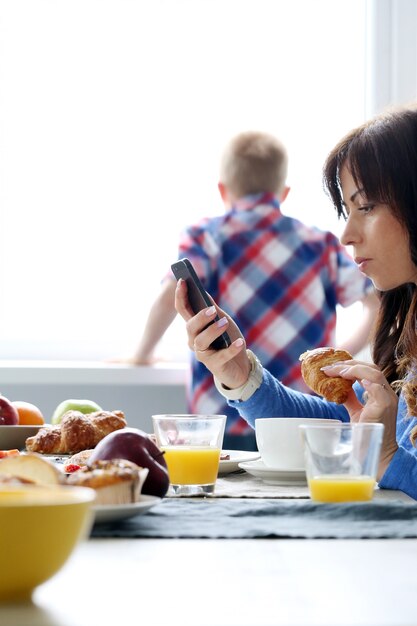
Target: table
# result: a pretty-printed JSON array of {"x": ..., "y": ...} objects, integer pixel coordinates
[{"x": 252, "y": 582}]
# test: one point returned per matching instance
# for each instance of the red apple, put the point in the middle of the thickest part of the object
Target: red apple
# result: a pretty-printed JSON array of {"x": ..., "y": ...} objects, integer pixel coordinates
[
  {"x": 8, "y": 413},
  {"x": 135, "y": 445}
]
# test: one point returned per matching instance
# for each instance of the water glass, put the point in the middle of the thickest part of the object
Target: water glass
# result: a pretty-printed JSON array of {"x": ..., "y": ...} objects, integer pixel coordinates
[{"x": 342, "y": 460}]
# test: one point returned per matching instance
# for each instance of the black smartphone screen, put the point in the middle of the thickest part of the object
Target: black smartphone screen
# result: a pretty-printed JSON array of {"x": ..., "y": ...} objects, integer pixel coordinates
[{"x": 197, "y": 296}]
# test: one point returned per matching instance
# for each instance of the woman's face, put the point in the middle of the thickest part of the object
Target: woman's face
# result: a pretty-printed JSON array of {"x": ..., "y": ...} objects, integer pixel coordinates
[{"x": 380, "y": 242}]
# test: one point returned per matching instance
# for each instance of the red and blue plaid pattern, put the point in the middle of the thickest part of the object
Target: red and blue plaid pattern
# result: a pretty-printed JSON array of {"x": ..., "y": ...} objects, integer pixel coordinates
[{"x": 279, "y": 279}]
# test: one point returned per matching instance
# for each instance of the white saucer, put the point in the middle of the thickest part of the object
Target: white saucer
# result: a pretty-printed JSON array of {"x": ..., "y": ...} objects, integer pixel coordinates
[
  {"x": 272, "y": 476},
  {"x": 236, "y": 456}
]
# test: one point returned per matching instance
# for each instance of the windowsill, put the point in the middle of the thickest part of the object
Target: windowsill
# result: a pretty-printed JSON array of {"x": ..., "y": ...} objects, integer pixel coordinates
[{"x": 90, "y": 372}]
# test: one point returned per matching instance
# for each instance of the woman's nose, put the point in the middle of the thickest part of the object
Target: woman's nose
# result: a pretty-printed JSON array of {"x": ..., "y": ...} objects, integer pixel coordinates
[{"x": 349, "y": 235}]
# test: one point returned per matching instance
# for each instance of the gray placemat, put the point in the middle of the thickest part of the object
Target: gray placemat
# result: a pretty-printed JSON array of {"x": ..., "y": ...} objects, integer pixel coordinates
[
  {"x": 243, "y": 485},
  {"x": 249, "y": 518}
]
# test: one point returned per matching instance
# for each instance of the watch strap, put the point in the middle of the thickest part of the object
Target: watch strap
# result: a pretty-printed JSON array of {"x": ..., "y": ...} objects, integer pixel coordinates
[{"x": 243, "y": 393}]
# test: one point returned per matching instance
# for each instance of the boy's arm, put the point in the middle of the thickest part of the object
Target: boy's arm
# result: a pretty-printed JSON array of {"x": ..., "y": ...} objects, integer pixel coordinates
[
  {"x": 160, "y": 317},
  {"x": 360, "y": 337}
]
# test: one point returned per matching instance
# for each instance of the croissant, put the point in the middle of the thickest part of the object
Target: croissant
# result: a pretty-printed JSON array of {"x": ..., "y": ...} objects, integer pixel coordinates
[
  {"x": 333, "y": 389},
  {"x": 76, "y": 432}
]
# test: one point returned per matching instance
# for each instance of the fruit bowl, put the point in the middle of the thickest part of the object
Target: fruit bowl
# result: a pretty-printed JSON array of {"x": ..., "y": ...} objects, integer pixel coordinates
[
  {"x": 15, "y": 436},
  {"x": 39, "y": 529}
]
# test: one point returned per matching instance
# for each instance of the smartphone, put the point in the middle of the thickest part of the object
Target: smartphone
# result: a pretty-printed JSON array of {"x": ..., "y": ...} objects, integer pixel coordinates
[{"x": 197, "y": 296}]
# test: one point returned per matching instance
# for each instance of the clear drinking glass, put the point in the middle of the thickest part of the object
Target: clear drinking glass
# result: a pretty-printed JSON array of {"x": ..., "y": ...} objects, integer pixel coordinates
[
  {"x": 342, "y": 460},
  {"x": 192, "y": 446}
]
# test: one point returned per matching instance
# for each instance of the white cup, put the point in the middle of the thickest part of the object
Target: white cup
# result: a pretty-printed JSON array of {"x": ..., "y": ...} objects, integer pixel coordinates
[{"x": 280, "y": 443}]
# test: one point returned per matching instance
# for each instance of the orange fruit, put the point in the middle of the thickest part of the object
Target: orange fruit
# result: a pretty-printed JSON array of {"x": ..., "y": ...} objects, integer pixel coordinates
[
  {"x": 29, "y": 414},
  {"x": 4, "y": 454}
]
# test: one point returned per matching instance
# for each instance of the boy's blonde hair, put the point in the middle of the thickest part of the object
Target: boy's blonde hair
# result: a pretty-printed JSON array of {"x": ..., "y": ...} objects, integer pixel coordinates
[{"x": 254, "y": 162}]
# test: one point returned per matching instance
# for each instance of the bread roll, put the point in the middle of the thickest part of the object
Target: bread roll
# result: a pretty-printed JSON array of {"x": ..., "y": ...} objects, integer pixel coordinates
[{"x": 333, "y": 389}]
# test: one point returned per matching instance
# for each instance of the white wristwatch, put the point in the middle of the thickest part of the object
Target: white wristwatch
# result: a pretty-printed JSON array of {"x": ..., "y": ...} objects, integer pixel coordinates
[{"x": 251, "y": 385}]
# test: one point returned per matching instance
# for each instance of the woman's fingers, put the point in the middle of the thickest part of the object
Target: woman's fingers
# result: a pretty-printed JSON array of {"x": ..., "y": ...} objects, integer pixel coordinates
[
  {"x": 230, "y": 365},
  {"x": 355, "y": 370},
  {"x": 181, "y": 300},
  {"x": 353, "y": 406},
  {"x": 382, "y": 406},
  {"x": 334, "y": 368},
  {"x": 200, "y": 334},
  {"x": 380, "y": 396},
  {"x": 379, "y": 393}
]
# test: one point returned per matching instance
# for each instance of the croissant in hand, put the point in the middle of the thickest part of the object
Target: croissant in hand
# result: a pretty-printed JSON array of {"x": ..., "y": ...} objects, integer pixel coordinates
[
  {"x": 333, "y": 389},
  {"x": 76, "y": 432}
]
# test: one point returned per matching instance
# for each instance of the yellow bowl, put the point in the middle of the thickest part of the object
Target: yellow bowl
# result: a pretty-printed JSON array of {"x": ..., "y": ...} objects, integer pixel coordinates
[{"x": 39, "y": 528}]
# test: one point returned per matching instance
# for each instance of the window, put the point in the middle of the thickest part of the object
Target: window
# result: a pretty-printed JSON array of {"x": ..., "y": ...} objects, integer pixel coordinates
[{"x": 114, "y": 114}]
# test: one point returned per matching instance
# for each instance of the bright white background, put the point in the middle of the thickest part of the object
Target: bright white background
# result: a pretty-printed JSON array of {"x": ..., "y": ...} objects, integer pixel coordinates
[{"x": 113, "y": 117}]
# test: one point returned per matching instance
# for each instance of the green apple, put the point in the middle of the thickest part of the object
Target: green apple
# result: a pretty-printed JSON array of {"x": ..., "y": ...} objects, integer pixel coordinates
[{"x": 84, "y": 406}]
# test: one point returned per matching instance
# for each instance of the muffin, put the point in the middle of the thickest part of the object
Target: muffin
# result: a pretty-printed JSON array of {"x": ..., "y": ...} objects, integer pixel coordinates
[{"x": 115, "y": 482}]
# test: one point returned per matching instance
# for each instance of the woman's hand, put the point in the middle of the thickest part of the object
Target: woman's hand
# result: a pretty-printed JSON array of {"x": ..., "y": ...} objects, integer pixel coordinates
[
  {"x": 381, "y": 403},
  {"x": 231, "y": 365}
]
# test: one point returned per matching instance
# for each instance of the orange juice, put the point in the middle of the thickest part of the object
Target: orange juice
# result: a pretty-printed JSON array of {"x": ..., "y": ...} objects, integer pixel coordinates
[
  {"x": 192, "y": 466},
  {"x": 343, "y": 488}
]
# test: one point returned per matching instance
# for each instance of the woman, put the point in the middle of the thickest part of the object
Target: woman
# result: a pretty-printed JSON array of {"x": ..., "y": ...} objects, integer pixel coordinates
[{"x": 371, "y": 177}]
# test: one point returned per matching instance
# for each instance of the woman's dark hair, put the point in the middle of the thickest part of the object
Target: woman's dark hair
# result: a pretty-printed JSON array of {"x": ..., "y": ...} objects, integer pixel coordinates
[{"x": 381, "y": 155}]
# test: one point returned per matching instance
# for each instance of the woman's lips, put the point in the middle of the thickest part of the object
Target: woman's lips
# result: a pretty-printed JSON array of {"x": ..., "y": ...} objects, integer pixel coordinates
[{"x": 361, "y": 262}]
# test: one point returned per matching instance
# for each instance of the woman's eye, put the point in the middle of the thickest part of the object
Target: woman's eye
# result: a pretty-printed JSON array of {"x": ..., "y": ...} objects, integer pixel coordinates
[{"x": 366, "y": 208}]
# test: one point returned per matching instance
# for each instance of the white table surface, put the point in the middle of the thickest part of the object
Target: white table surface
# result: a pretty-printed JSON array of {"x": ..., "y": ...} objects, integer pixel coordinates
[{"x": 251, "y": 582}]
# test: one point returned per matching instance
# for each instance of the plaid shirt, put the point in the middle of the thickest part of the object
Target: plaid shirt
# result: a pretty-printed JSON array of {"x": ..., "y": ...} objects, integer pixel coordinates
[{"x": 280, "y": 280}]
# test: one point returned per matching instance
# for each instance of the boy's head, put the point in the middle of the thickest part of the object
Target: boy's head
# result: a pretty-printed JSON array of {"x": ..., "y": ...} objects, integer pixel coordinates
[{"x": 253, "y": 162}]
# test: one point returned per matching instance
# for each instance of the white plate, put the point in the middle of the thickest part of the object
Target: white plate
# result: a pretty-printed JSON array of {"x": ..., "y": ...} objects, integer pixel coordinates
[
  {"x": 15, "y": 436},
  {"x": 59, "y": 459},
  {"x": 274, "y": 476},
  {"x": 236, "y": 457},
  {"x": 116, "y": 512}
]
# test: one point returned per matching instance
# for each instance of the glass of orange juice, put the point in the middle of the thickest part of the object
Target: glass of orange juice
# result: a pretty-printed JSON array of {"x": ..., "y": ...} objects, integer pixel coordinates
[
  {"x": 342, "y": 460},
  {"x": 192, "y": 445}
]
